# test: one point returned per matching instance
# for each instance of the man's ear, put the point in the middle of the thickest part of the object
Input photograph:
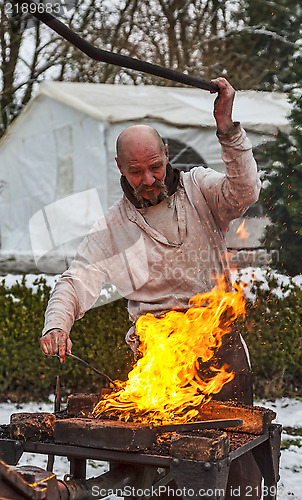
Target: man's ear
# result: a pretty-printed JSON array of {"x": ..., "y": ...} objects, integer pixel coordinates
[
  {"x": 119, "y": 165},
  {"x": 167, "y": 152}
]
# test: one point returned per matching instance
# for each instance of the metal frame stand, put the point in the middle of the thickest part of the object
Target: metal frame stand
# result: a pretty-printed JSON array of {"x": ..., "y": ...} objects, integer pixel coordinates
[{"x": 196, "y": 479}]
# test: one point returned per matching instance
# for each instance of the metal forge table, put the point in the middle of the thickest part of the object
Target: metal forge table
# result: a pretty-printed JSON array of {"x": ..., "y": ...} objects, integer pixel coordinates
[{"x": 198, "y": 461}]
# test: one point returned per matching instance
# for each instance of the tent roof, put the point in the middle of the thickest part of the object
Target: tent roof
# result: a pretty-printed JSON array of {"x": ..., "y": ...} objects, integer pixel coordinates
[{"x": 261, "y": 112}]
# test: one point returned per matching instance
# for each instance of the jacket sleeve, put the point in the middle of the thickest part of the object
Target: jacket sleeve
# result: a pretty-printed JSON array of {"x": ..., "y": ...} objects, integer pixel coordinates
[
  {"x": 230, "y": 194},
  {"x": 78, "y": 288}
]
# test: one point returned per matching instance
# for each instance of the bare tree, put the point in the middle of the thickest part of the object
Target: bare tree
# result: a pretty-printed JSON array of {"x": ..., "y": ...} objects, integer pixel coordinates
[
  {"x": 249, "y": 42},
  {"x": 31, "y": 52},
  {"x": 171, "y": 33},
  {"x": 22, "y": 61},
  {"x": 106, "y": 25},
  {"x": 205, "y": 38}
]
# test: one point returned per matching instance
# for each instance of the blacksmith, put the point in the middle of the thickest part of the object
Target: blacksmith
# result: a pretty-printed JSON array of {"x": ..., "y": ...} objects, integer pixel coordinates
[{"x": 163, "y": 243}]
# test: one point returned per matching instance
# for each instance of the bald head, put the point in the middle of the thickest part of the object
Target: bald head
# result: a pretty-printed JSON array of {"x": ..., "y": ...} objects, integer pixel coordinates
[
  {"x": 138, "y": 137},
  {"x": 142, "y": 158}
]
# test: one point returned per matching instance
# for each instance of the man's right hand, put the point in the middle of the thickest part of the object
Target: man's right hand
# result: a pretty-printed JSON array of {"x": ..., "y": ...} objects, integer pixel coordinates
[{"x": 56, "y": 342}]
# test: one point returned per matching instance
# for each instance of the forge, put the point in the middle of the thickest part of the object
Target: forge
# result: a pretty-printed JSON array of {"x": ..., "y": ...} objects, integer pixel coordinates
[
  {"x": 196, "y": 455},
  {"x": 159, "y": 427}
]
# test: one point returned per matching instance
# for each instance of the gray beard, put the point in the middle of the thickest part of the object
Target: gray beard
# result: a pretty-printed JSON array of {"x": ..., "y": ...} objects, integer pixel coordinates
[{"x": 154, "y": 200}]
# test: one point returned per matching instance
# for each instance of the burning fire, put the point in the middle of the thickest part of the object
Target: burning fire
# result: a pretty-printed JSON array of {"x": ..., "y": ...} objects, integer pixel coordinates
[
  {"x": 165, "y": 385},
  {"x": 242, "y": 232}
]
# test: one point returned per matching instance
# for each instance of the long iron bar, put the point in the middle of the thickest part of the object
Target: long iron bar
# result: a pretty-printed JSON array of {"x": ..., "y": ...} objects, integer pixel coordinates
[{"x": 111, "y": 57}]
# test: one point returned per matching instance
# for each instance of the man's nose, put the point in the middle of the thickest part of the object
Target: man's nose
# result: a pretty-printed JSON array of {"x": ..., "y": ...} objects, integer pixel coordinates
[{"x": 148, "y": 178}]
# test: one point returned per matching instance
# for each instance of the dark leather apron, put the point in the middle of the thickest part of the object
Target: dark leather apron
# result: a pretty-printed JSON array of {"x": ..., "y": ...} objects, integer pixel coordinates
[
  {"x": 233, "y": 355},
  {"x": 244, "y": 474}
]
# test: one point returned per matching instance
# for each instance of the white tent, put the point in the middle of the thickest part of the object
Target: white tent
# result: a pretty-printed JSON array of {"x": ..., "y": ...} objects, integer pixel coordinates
[{"x": 57, "y": 162}]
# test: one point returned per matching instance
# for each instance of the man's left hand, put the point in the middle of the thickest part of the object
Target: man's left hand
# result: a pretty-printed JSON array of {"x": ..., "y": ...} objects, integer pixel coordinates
[{"x": 223, "y": 105}]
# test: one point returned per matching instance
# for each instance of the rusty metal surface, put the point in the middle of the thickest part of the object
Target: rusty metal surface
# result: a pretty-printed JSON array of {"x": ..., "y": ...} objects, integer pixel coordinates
[
  {"x": 197, "y": 447},
  {"x": 256, "y": 419},
  {"x": 267, "y": 456},
  {"x": 116, "y": 456},
  {"x": 11, "y": 450},
  {"x": 97, "y": 454},
  {"x": 27, "y": 482},
  {"x": 103, "y": 434},
  {"x": 32, "y": 426},
  {"x": 275, "y": 441},
  {"x": 116, "y": 479},
  {"x": 249, "y": 446},
  {"x": 124, "y": 436},
  {"x": 206, "y": 480}
]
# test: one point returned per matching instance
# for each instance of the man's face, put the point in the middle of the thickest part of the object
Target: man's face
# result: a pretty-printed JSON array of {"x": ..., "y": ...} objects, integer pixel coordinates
[{"x": 144, "y": 166}]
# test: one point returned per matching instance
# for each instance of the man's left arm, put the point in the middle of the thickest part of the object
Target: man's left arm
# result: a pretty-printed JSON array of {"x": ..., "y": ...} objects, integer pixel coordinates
[{"x": 231, "y": 194}]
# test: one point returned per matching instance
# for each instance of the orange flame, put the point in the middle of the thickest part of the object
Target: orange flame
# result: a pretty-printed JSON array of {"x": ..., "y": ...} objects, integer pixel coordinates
[
  {"x": 242, "y": 232},
  {"x": 164, "y": 386}
]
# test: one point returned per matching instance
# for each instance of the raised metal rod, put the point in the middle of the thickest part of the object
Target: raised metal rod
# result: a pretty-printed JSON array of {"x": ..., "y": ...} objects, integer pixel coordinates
[
  {"x": 57, "y": 408},
  {"x": 91, "y": 367},
  {"x": 111, "y": 57}
]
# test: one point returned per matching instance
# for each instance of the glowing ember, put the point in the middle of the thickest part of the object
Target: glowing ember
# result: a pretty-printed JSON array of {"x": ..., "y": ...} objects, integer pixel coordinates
[
  {"x": 242, "y": 232},
  {"x": 165, "y": 385}
]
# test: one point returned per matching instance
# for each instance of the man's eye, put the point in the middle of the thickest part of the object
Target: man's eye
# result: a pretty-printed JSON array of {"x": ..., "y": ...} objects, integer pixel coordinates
[{"x": 156, "y": 167}]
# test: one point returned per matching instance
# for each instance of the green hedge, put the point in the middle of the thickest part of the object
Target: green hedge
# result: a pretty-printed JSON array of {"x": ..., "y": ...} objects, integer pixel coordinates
[
  {"x": 26, "y": 373},
  {"x": 272, "y": 329}
]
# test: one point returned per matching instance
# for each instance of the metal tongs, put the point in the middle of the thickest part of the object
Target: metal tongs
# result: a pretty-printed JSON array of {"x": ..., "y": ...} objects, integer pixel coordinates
[{"x": 91, "y": 367}]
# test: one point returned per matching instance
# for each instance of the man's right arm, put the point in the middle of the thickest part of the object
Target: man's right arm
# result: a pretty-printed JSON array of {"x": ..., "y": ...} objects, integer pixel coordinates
[{"x": 75, "y": 292}]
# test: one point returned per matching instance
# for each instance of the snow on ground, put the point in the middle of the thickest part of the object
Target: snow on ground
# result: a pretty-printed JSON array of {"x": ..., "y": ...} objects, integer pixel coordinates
[
  {"x": 108, "y": 294},
  {"x": 289, "y": 414},
  {"x": 61, "y": 464},
  {"x": 248, "y": 276},
  {"x": 12, "y": 279},
  {"x": 289, "y": 411}
]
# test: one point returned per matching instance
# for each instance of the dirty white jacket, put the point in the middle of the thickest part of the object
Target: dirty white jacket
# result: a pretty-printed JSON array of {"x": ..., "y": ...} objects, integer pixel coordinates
[{"x": 154, "y": 274}]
